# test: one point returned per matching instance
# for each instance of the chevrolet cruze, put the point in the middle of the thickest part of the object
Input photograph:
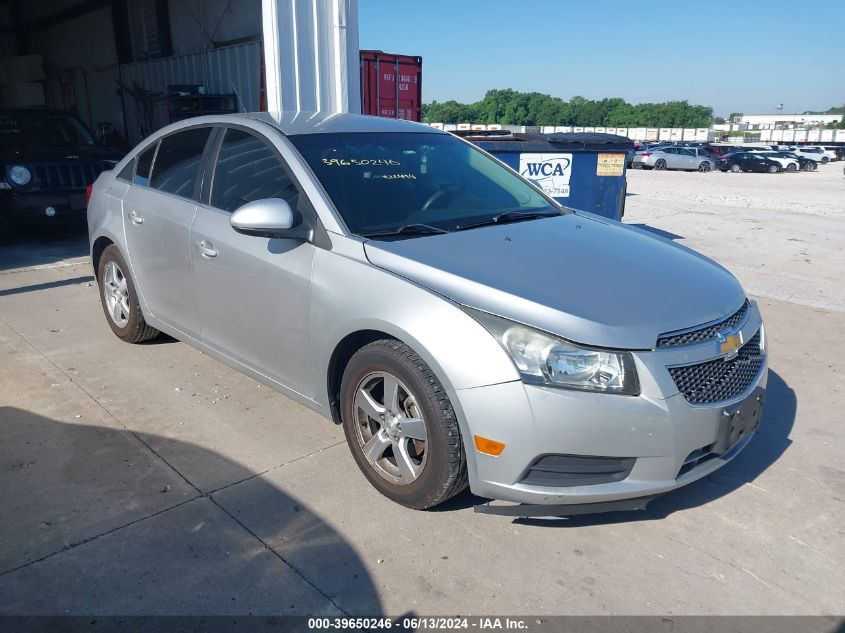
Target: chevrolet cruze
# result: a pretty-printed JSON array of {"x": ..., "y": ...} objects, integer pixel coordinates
[{"x": 464, "y": 328}]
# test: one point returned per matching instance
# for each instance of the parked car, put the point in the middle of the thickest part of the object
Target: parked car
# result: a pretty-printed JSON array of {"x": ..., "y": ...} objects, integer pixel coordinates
[
  {"x": 804, "y": 164},
  {"x": 720, "y": 150},
  {"x": 787, "y": 163},
  {"x": 47, "y": 159},
  {"x": 813, "y": 153},
  {"x": 831, "y": 152},
  {"x": 674, "y": 157},
  {"x": 838, "y": 150},
  {"x": 748, "y": 161},
  {"x": 404, "y": 284}
]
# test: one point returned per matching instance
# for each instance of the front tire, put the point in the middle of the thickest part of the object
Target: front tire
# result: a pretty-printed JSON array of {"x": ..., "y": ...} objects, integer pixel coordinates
[
  {"x": 773, "y": 169},
  {"x": 704, "y": 166},
  {"x": 825, "y": 160},
  {"x": 401, "y": 427},
  {"x": 791, "y": 167},
  {"x": 120, "y": 299}
]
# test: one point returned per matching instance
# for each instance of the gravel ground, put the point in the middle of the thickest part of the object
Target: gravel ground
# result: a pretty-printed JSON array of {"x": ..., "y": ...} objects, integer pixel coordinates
[{"x": 781, "y": 234}]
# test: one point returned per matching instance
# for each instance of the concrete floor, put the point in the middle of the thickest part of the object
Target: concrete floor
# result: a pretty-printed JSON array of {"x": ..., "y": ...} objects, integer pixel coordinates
[{"x": 150, "y": 479}]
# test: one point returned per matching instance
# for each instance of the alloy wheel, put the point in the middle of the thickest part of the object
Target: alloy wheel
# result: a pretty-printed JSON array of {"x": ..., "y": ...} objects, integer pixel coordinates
[
  {"x": 116, "y": 294},
  {"x": 705, "y": 166},
  {"x": 390, "y": 428}
]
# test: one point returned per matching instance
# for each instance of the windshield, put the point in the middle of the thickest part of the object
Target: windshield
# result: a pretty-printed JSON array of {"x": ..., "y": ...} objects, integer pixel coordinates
[
  {"x": 381, "y": 182},
  {"x": 40, "y": 129}
]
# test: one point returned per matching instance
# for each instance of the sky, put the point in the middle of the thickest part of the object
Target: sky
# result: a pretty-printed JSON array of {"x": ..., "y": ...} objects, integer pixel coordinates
[{"x": 735, "y": 56}]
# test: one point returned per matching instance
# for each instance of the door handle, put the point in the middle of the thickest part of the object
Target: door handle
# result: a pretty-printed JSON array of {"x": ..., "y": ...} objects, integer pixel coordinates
[
  {"x": 206, "y": 250},
  {"x": 136, "y": 219}
]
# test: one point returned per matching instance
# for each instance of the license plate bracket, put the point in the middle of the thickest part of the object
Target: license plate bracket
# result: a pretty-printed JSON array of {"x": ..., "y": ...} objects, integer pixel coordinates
[{"x": 739, "y": 422}]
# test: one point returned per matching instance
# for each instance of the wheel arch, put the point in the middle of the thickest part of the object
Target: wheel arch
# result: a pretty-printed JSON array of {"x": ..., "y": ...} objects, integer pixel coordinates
[
  {"x": 339, "y": 359},
  {"x": 97, "y": 248}
]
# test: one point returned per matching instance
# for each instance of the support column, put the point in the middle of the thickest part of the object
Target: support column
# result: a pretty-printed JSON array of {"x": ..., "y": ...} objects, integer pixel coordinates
[{"x": 311, "y": 55}]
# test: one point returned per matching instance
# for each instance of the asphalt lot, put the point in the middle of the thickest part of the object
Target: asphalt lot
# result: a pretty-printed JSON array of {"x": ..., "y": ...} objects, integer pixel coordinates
[{"x": 150, "y": 479}]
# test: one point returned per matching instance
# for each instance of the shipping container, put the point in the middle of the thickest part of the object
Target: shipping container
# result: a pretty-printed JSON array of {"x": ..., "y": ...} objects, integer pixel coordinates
[
  {"x": 777, "y": 136},
  {"x": 577, "y": 129},
  {"x": 788, "y": 136},
  {"x": 688, "y": 134},
  {"x": 589, "y": 129},
  {"x": 702, "y": 134},
  {"x": 814, "y": 135},
  {"x": 464, "y": 126},
  {"x": 599, "y": 130},
  {"x": 676, "y": 134},
  {"x": 563, "y": 129},
  {"x": 652, "y": 134},
  {"x": 621, "y": 131},
  {"x": 450, "y": 127},
  {"x": 826, "y": 136},
  {"x": 665, "y": 134},
  {"x": 765, "y": 135},
  {"x": 800, "y": 136},
  {"x": 548, "y": 129},
  {"x": 840, "y": 136},
  {"x": 391, "y": 85}
]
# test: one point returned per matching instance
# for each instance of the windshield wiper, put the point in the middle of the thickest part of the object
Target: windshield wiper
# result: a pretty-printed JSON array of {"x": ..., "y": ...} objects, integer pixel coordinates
[
  {"x": 507, "y": 216},
  {"x": 407, "y": 229}
]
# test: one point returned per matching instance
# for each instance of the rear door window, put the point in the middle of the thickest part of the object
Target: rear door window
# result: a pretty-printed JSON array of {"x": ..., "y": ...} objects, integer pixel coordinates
[
  {"x": 249, "y": 169},
  {"x": 177, "y": 163}
]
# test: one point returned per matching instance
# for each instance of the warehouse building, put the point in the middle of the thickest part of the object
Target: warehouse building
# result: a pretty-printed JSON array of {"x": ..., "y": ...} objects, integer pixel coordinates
[{"x": 128, "y": 67}]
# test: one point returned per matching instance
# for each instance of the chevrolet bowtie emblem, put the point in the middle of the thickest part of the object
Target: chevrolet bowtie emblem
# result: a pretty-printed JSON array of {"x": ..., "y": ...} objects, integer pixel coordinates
[{"x": 729, "y": 344}]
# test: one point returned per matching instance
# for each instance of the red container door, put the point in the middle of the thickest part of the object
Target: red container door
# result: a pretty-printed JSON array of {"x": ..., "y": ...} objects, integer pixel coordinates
[{"x": 391, "y": 85}]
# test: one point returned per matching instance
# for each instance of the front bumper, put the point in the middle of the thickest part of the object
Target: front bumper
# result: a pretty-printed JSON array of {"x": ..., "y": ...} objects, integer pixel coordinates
[
  {"x": 669, "y": 442},
  {"x": 30, "y": 205}
]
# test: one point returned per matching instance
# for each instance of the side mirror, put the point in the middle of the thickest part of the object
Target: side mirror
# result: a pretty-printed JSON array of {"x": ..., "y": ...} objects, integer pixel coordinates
[{"x": 271, "y": 217}]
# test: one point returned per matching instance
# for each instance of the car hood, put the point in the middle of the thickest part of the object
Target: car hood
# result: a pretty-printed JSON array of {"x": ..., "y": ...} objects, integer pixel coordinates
[{"x": 591, "y": 281}]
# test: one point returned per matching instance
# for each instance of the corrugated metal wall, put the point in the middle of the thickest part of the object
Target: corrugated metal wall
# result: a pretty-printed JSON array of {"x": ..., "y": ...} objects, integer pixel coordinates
[{"x": 222, "y": 70}]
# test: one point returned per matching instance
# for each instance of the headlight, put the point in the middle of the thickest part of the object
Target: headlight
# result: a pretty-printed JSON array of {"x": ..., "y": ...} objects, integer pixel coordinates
[
  {"x": 545, "y": 359},
  {"x": 20, "y": 175}
]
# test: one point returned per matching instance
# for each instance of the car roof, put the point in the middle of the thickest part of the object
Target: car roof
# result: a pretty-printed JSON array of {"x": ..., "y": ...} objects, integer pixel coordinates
[{"x": 292, "y": 123}]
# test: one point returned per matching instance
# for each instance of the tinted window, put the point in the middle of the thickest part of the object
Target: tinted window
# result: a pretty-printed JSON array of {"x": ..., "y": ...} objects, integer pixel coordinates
[
  {"x": 248, "y": 169},
  {"x": 686, "y": 152},
  {"x": 382, "y": 181},
  {"x": 177, "y": 163},
  {"x": 144, "y": 163},
  {"x": 669, "y": 150}
]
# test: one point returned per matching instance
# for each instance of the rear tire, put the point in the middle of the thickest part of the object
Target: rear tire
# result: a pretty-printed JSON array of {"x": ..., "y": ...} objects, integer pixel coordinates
[
  {"x": 120, "y": 299},
  {"x": 383, "y": 432},
  {"x": 736, "y": 168},
  {"x": 791, "y": 167},
  {"x": 660, "y": 165}
]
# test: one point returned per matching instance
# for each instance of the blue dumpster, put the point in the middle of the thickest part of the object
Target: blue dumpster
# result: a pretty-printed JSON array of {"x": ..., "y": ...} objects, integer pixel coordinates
[{"x": 580, "y": 170}]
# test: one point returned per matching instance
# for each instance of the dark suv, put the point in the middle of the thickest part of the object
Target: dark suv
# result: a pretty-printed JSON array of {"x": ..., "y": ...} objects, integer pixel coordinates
[{"x": 47, "y": 159}]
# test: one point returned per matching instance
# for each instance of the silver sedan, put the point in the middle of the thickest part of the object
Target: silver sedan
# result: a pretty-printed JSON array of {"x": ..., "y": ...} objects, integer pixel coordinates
[
  {"x": 675, "y": 157},
  {"x": 464, "y": 328}
]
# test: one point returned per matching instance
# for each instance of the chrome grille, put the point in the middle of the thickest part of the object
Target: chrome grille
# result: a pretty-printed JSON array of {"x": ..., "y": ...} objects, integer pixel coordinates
[
  {"x": 719, "y": 380},
  {"x": 67, "y": 175},
  {"x": 705, "y": 333}
]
